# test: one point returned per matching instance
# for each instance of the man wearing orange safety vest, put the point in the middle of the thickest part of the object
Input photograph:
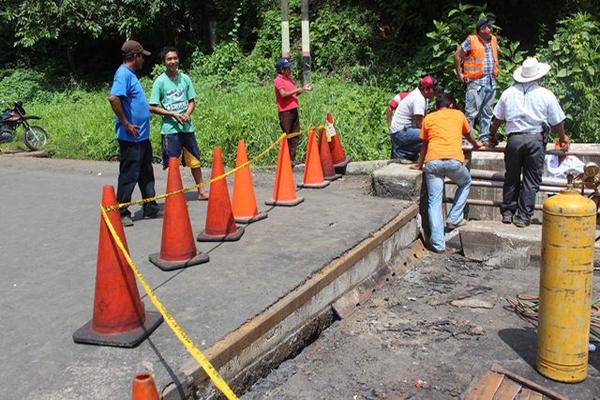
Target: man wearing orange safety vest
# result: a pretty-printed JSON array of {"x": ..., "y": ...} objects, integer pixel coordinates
[{"x": 476, "y": 63}]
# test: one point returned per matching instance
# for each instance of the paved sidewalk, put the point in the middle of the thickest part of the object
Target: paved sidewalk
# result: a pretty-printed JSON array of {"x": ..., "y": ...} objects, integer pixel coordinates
[{"x": 49, "y": 228}]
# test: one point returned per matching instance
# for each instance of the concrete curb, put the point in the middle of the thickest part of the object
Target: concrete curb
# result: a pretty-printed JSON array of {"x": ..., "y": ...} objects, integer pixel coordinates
[{"x": 277, "y": 333}]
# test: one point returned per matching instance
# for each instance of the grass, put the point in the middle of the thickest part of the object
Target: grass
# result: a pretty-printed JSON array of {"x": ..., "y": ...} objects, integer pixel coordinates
[{"x": 81, "y": 123}]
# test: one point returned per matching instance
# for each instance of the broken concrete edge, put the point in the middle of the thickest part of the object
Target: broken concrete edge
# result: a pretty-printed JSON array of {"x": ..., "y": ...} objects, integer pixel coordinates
[
  {"x": 398, "y": 181},
  {"x": 254, "y": 339},
  {"x": 297, "y": 340},
  {"x": 345, "y": 305}
]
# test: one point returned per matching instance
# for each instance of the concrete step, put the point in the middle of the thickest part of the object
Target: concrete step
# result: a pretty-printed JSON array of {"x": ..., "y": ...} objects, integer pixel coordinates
[{"x": 493, "y": 241}]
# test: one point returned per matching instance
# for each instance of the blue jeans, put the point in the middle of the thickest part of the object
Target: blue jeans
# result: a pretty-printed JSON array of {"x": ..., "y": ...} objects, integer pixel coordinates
[
  {"x": 406, "y": 143},
  {"x": 435, "y": 171},
  {"x": 478, "y": 102}
]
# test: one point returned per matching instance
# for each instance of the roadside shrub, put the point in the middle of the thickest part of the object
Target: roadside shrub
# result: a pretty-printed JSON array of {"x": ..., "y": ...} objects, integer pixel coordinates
[
  {"x": 340, "y": 38},
  {"x": 574, "y": 54},
  {"x": 27, "y": 85},
  {"x": 437, "y": 57}
]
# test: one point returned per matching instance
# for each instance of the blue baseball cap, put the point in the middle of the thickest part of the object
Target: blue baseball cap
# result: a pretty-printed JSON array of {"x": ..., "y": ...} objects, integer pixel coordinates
[
  {"x": 484, "y": 22},
  {"x": 283, "y": 63}
]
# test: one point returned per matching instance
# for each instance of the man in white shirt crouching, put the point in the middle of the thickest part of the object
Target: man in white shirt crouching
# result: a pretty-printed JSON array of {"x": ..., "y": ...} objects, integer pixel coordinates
[{"x": 407, "y": 120}]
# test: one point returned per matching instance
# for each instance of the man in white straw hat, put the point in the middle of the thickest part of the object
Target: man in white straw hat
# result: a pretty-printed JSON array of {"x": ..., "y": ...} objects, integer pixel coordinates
[{"x": 528, "y": 111}]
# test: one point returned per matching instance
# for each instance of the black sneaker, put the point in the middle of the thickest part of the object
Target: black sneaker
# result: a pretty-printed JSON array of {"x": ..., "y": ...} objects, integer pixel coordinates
[
  {"x": 151, "y": 215},
  {"x": 450, "y": 226},
  {"x": 507, "y": 219},
  {"x": 126, "y": 220},
  {"x": 520, "y": 223}
]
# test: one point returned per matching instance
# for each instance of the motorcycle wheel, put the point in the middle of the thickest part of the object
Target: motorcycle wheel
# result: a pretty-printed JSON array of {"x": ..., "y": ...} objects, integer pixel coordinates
[{"x": 35, "y": 137}]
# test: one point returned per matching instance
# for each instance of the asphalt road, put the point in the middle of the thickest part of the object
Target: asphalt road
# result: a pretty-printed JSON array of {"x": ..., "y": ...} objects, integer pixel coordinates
[{"x": 49, "y": 235}]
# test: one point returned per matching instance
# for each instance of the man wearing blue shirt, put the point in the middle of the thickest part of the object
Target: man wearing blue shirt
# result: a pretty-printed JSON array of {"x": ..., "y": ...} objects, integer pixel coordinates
[{"x": 132, "y": 127}]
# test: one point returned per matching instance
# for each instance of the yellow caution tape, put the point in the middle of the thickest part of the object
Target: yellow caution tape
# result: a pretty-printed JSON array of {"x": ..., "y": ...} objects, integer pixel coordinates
[
  {"x": 212, "y": 373},
  {"x": 293, "y": 135},
  {"x": 203, "y": 183}
]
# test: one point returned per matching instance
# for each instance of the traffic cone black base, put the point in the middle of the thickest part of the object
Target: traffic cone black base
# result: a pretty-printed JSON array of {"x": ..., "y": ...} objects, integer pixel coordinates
[
  {"x": 248, "y": 220},
  {"x": 314, "y": 185},
  {"x": 233, "y": 237},
  {"x": 290, "y": 203},
  {"x": 128, "y": 339},
  {"x": 165, "y": 265},
  {"x": 332, "y": 177},
  {"x": 340, "y": 168}
]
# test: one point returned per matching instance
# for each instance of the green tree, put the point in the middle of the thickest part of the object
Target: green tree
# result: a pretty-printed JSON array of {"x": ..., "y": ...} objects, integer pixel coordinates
[{"x": 574, "y": 54}]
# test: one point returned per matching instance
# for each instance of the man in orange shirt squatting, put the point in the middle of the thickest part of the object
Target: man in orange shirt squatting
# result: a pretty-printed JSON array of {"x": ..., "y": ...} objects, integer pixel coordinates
[
  {"x": 442, "y": 156},
  {"x": 286, "y": 94}
]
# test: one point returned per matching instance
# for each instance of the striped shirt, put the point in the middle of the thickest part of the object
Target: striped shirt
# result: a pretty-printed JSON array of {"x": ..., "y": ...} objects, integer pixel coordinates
[{"x": 488, "y": 62}]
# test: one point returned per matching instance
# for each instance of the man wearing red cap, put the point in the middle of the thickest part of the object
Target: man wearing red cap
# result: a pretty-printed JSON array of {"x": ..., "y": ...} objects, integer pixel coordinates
[{"x": 408, "y": 117}]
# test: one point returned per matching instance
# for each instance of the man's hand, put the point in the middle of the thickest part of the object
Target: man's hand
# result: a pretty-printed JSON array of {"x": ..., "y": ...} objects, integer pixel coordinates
[
  {"x": 477, "y": 144},
  {"x": 180, "y": 118},
  {"x": 307, "y": 88},
  {"x": 415, "y": 166},
  {"x": 492, "y": 141},
  {"x": 461, "y": 77},
  {"x": 132, "y": 129}
]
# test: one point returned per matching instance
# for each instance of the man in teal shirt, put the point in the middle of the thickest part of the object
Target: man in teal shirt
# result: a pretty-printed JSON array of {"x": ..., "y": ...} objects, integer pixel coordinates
[{"x": 173, "y": 97}]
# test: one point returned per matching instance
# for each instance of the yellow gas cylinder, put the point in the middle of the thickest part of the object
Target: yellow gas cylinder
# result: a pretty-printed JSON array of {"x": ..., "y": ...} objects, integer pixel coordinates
[{"x": 566, "y": 286}]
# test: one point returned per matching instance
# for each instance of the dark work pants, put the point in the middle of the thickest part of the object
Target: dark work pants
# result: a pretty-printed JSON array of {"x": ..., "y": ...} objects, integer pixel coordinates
[
  {"x": 524, "y": 154},
  {"x": 290, "y": 123},
  {"x": 135, "y": 167}
]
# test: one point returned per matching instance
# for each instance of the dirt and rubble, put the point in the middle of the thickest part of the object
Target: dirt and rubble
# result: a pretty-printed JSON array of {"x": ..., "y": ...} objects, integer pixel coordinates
[{"x": 424, "y": 335}]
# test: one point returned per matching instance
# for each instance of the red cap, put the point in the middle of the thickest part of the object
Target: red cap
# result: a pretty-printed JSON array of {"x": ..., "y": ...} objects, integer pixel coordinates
[{"x": 427, "y": 82}]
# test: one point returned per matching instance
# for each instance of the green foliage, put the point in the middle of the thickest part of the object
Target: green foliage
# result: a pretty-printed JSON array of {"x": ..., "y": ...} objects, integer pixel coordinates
[
  {"x": 574, "y": 54},
  {"x": 37, "y": 21},
  {"x": 81, "y": 123},
  {"x": 437, "y": 57},
  {"x": 220, "y": 63},
  {"x": 25, "y": 85},
  {"x": 341, "y": 39}
]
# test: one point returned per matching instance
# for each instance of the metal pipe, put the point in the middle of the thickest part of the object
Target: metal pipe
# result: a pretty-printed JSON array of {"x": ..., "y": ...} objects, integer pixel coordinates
[
  {"x": 498, "y": 184},
  {"x": 490, "y": 203},
  {"x": 285, "y": 30},
  {"x": 554, "y": 152},
  {"x": 486, "y": 203},
  {"x": 499, "y": 176},
  {"x": 306, "y": 59}
]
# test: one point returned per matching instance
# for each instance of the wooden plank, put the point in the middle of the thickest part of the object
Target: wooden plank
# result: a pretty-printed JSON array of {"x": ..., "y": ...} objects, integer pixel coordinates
[
  {"x": 528, "y": 394},
  {"x": 529, "y": 383},
  {"x": 507, "y": 390},
  {"x": 485, "y": 387}
]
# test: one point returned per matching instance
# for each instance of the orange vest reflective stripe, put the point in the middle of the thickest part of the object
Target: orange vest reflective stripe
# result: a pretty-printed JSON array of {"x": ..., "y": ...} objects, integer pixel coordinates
[{"x": 473, "y": 65}]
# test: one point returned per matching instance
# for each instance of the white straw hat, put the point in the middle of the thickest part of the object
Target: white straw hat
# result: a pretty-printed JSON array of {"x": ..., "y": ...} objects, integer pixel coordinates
[{"x": 531, "y": 70}]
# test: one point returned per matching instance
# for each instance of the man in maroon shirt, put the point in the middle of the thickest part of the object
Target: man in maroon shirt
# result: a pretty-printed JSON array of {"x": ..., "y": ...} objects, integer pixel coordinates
[{"x": 286, "y": 94}]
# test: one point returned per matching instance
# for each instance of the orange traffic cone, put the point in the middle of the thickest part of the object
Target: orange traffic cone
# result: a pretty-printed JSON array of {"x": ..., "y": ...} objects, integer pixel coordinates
[
  {"x": 220, "y": 225},
  {"x": 178, "y": 249},
  {"x": 284, "y": 192},
  {"x": 143, "y": 388},
  {"x": 313, "y": 172},
  {"x": 244, "y": 206},
  {"x": 338, "y": 156},
  {"x": 325, "y": 154},
  {"x": 119, "y": 318}
]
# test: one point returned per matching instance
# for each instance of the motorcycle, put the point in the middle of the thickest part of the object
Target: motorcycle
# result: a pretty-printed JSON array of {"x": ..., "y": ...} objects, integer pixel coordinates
[{"x": 35, "y": 137}]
